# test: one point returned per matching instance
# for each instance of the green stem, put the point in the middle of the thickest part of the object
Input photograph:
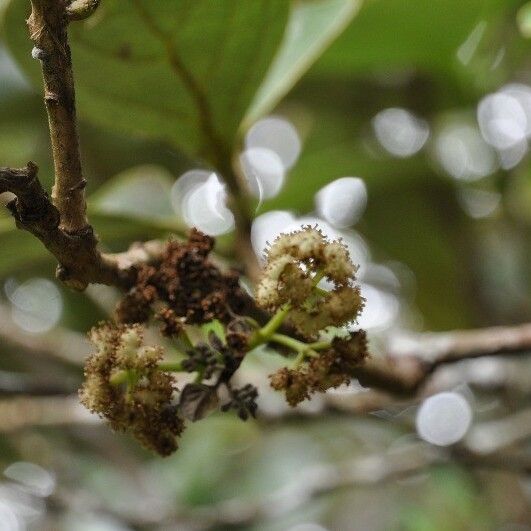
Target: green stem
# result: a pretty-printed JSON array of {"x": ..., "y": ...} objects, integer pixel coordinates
[
  {"x": 319, "y": 345},
  {"x": 318, "y": 277},
  {"x": 298, "y": 346},
  {"x": 264, "y": 334},
  {"x": 119, "y": 378},
  {"x": 303, "y": 350},
  {"x": 287, "y": 341},
  {"x": 321, "y": 291},
  {"x": 301, "y": 356}
]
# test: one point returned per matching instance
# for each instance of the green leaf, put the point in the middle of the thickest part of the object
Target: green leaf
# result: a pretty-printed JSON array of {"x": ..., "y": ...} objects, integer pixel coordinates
[
  {"x": 141, "y": 193},
  {"x": 313, "y": 25},
  {"x": 182, "y": 70}
]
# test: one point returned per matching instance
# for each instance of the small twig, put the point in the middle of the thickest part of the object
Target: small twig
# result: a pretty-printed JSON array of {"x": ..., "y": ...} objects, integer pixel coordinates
[{"x": 499, "y": 434}]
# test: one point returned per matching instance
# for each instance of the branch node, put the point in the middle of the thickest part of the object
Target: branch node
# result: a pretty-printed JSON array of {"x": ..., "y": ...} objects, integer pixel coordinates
[
  {"x": 38, "y": 53},
  {"x": 79, "y": 186},
  {"x": 81, "y": 9}
]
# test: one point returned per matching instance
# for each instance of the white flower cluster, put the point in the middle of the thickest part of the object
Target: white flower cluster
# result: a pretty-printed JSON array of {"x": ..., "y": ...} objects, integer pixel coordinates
[{"x": 295, "y": 264}]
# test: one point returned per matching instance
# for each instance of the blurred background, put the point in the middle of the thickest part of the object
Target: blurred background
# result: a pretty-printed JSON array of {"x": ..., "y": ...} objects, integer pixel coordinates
[{"x": 408, "y": 136}]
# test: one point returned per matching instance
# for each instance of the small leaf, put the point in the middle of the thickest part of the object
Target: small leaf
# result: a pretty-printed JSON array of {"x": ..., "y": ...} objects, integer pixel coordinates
[{"x": 197, "y": 401}]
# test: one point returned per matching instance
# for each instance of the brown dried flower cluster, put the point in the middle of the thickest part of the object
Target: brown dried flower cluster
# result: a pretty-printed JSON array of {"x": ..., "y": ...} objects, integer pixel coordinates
[
  {"x": 184, "y": 288},
  {"x": 295, "y": 262},
  {"x": 329, "y": 369},
  {"x": 142, "y": 405}
]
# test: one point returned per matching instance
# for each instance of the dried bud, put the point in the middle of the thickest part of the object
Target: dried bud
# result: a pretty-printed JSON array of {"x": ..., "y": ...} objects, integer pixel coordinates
[
  {"x": 351, "y": 351},
  {"x": 293, "y": 382},
  {"x": 185, "y": 282},
  {"x": 135, "y": 307},
  {"x": 203, "y": 358},
  {"x": 243, "y": 401},
  {"x": 238, "y": 334},
  {"x": 197, "y": 401},
  {"x": 172, "y": 325}
]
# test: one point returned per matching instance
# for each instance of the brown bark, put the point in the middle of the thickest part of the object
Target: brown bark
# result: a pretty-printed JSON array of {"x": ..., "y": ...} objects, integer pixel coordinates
[{"x": 47, "y": 26}]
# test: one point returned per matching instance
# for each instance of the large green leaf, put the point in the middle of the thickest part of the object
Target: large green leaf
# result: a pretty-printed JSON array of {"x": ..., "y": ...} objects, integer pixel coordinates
[
  {"x": 182, "y": 70},
  {"x": 312, "y": 27},
  {"x": 187, "y": 70}
]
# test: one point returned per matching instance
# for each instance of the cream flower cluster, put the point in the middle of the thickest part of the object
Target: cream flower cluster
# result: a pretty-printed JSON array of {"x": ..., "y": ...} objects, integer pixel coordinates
[{"x": 295, "y": 264}]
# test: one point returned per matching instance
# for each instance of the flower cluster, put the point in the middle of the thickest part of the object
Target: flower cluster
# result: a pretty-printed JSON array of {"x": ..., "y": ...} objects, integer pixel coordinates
[
  {"x": 185, "y": 287},
  {"x": 329, "y": 369},
  {"x": 203, "y": 311},
  {"x": 296, "y": 262},
  {"x": 122, "y": 385}
]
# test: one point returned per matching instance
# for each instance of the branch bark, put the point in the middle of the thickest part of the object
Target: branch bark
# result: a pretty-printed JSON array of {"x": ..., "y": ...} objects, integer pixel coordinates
[
  {"x": 404, "y": 373},
  {"x": 61, "y": 224},
  {"x": 80, "y": 261},
  {"x": 47, "y": 26}
]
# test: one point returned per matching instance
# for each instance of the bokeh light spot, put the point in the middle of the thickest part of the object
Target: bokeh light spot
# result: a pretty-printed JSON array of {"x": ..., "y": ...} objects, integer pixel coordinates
[
  {"x": 342, "y": 202},
  {"x": 36, "y": 305},
  {"x": 443, "y": 419},
  {"x": 277, "y": 135},
  {"x": 204, "y": 207},
  {"x": 400, "y": 132},
  {"x": 264, "y": 172}
]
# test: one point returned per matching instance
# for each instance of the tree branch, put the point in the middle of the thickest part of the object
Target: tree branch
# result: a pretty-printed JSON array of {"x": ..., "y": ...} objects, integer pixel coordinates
[
  {"x": 61, "y": 224},
  {"x": 404, "y": 373},
  {"x": 80, "y": 262},
  {"x": 22, "y": 412},
  {"x": 47, "y": 26}
]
